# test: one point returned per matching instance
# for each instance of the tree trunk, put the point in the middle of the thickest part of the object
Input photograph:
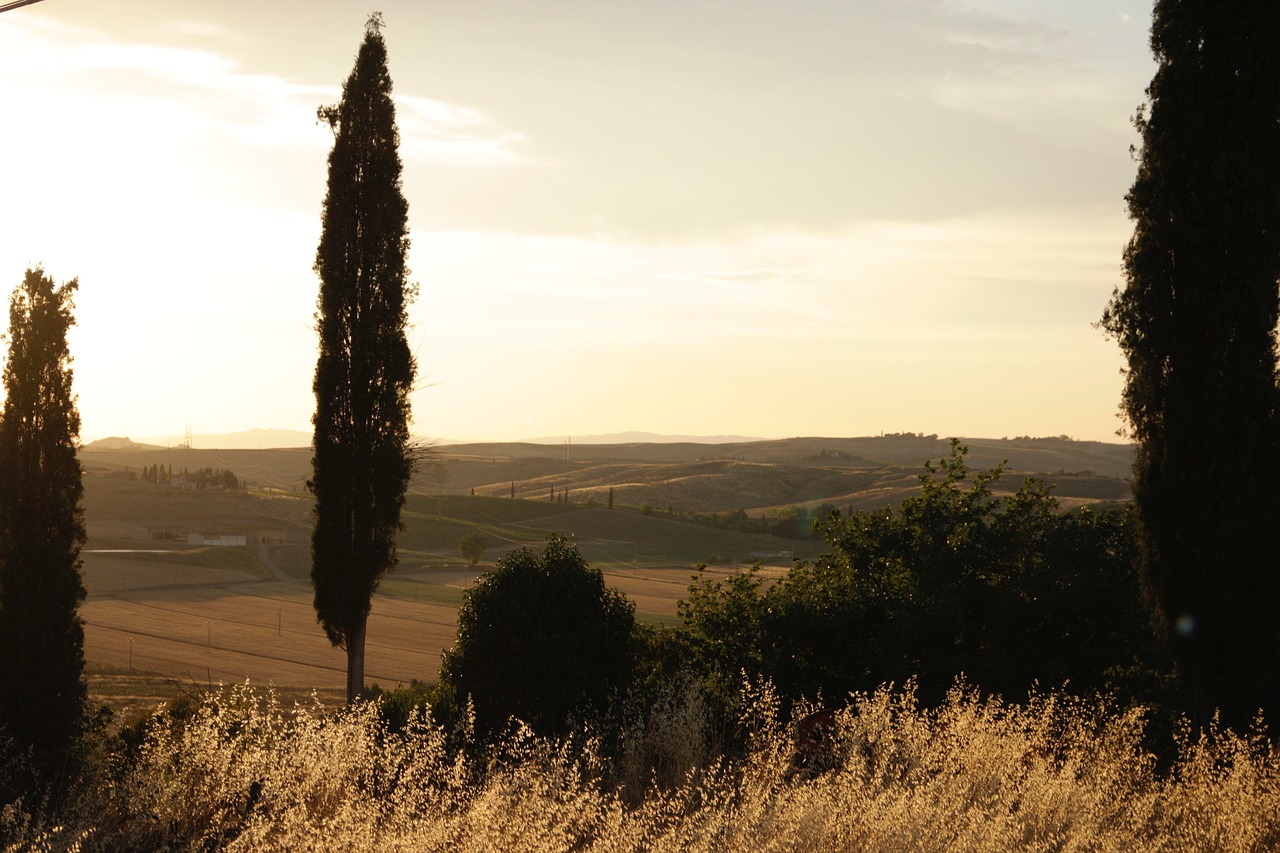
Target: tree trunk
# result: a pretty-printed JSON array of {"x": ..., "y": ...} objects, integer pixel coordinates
[{"x": 355, "y": 661}]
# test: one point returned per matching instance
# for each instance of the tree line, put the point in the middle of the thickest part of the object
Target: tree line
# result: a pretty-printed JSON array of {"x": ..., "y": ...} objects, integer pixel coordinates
[{"x": 203, "y": 478}]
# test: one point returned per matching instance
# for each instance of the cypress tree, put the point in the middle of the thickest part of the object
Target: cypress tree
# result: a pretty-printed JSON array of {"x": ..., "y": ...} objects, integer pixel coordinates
[
  {"x": 361, "y": 463},
  {"x": 42, "y": 694},
  {"x": 1197, "y": 321}
]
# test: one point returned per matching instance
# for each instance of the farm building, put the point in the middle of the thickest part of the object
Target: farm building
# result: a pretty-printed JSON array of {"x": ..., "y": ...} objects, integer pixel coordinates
[{"x": 219, "y": 540}]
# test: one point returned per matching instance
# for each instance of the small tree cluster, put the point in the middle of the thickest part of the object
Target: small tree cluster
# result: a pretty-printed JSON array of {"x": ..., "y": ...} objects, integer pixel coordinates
[
  {"x": 216, "y": 478},
  {"x": 956, "y": 580},
  {"x": 157, "y": 474}
]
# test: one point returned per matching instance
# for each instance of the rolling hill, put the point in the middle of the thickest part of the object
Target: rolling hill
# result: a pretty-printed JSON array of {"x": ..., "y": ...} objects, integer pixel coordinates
[{"x": 191, "y": 612}]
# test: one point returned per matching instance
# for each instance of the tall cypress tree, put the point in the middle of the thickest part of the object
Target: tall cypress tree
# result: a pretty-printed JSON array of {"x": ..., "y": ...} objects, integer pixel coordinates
[
  {"x": 364, "y": 373},
  {"x": 1197, "y": 322},
  {"x": 42, "y": 694}
]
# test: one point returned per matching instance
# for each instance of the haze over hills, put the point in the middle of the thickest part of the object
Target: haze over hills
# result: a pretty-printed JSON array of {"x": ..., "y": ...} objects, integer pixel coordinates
[
  {"x": 1025, "y": 453},
  {"x": 634, "y": 437},
  {"x": 690, "y": 476},
  {"x": 263, "y": 439},
  {"x": 254, "y": 439}
]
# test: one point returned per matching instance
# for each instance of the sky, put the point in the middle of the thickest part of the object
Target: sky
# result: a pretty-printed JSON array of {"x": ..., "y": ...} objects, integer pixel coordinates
[{"x": 693, "y": 217}]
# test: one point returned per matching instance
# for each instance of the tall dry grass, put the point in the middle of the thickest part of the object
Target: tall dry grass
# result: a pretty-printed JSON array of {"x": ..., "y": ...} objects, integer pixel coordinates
[{"x": 1058, "y": 773}]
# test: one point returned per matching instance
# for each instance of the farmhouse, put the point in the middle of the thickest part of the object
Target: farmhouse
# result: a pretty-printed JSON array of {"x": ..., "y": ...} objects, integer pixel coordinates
[
  {"x": 217, "y": 540},
  {"x": 221, "y": 539}
]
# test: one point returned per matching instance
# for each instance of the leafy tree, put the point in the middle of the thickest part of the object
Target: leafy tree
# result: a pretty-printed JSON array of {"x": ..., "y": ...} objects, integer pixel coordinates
[
  {"x": 957, "y": 579},
  {"x": 472, "y": 546},
  {"x": 540, "y": 638},
  {"x": 725, "y": 624},
  {"x": 42, "y": 695},
  {"x": 361, "y": 463},
  {"x": 1197, "y": 321}
]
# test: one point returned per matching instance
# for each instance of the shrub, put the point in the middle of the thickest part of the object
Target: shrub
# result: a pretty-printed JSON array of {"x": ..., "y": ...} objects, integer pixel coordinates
[{"x": 542, "y": 639}]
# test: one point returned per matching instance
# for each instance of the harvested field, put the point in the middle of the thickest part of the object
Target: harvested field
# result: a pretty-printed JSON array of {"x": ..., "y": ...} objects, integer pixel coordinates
[
  {"x": 209, "y": 624},
  {"x": 189, "y": 625},
  {"x": 655, "y": 591},
  {"x": 264, "y": 631}
]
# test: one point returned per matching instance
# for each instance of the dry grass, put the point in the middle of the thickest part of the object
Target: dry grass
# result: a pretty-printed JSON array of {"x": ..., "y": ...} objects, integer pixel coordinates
[{"x": 247, "y": 773}]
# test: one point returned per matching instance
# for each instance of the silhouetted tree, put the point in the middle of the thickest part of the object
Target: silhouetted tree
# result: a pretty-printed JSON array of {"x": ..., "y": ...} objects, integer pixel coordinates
[
  {"x": 42, "y": 695},
  {"x": 361, "y": 464},
  {"x": 540, "y": 637},
  {"x": 1197, "y": 321}
]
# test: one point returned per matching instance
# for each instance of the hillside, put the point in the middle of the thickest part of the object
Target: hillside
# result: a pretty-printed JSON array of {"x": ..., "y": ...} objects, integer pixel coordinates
[
  {"x": 755, "y": 476},
  {"x": 159, "y": 603},
  {"x": 862, "y": 473}
]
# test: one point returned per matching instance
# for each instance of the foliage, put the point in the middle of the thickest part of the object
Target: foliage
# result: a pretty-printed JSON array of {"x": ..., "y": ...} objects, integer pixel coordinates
[
  {"x": 472, "y": 546},
  {"x": 243, "y": 772},
  {"x": 207, "y": 477},
  {"x": 396, "y": 706},
  {"x": 1196, "y": 321},
  {"x": 42, "y": 694},
  {"x": 540, "y": 638},
  {"x": 956, "y": 580},
  {"x": 365, "y": 370}
]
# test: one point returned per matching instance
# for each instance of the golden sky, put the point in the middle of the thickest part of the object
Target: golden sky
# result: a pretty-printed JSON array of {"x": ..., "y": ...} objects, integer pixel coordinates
[{"x": 679, "y": 216}]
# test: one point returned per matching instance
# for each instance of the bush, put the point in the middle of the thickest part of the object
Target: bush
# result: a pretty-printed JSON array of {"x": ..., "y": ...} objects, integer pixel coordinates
[{"x": 542, "y": 639}]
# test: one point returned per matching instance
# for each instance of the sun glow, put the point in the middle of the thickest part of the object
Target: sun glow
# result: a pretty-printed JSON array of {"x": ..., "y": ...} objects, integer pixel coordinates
[{"x": 803, "y": 257}]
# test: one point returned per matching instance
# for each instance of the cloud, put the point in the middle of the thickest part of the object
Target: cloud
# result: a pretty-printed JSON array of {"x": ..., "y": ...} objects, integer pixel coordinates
[
  {"x": 754, "y": 275},
  {"x": 686, "y": 121},
  {"x": 213, "y": 91},
  {"x": 440, "y": 133}
]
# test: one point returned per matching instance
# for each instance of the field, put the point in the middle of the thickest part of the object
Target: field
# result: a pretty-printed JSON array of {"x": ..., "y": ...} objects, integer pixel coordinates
[
  {"x": 199, "y": 617},
  {"x": 164, "y": 615}
]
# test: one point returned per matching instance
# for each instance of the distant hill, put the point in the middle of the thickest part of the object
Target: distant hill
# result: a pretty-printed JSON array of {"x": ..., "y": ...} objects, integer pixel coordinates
[
  {"x": 116, "y": 442},
  {"x": 634, "y": 437},
  {"x": 756, "y": 476},
  {"x": 251, "y": 439}
]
